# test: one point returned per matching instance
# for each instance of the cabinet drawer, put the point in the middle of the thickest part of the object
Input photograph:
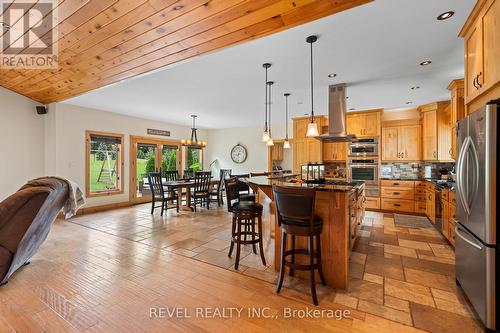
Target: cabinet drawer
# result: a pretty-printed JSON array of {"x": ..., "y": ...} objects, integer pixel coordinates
[
  {"x": 451, "y": 197},
  {"x": 372, "y": 203},
  {"x": 397, "y": 193},
  {"x": 420, "y": 207},
  {"x": 397, "y": 183},
  {"x": 397, "y": 205},
  {"x": 420, "y": 197}
]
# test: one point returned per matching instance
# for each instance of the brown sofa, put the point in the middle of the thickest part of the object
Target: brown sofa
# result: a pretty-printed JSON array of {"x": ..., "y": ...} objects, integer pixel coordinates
[{"x": 25, "y": 221}]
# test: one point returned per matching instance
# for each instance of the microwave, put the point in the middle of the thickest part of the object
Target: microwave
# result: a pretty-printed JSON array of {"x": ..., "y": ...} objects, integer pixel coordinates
[{"x": 364, "y": 147}]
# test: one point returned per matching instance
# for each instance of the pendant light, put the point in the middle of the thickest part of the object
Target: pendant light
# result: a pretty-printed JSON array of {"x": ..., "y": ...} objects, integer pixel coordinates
[
  {"x": 312, "y": 128},
  {"x": 193, "y": 141},
  {"x": 286, "y": 144},
  {"x": 270, "y": 142},
  {"x": 265, "y": 135}
]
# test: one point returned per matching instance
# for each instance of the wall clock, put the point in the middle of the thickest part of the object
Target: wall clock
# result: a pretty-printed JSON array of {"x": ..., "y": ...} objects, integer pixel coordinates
[{"x": 239, "y": 154}]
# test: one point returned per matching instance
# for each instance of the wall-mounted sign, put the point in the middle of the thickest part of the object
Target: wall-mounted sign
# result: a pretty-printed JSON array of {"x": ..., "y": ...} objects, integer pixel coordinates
[{"x": 153, "y": 131}]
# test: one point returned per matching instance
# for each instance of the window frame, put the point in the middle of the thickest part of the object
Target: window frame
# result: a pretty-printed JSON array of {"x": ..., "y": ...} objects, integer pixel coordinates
[
  {"x": 120, "y": 163},
  {"x": 186, "y": 166}
]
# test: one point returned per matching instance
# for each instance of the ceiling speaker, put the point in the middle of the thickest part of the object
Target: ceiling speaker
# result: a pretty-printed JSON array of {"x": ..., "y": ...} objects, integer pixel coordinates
[{"x": 41, "y": 110}]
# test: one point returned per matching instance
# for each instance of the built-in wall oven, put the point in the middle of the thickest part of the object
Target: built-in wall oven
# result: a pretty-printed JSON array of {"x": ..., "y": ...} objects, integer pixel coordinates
[
  {"x": 364, "y": 147},
  {"x": 365, "y": 169}
]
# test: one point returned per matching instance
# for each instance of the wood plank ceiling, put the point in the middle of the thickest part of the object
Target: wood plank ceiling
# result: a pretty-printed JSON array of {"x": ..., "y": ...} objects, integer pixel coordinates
[{"x": 105, "y": 41}]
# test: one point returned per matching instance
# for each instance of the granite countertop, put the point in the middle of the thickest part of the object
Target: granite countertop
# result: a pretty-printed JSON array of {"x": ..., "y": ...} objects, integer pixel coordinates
[{"x": 266, "y": 181}]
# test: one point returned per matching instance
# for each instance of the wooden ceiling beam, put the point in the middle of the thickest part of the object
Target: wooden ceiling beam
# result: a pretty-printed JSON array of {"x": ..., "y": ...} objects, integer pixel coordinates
[{"x": 127, "y": 38}]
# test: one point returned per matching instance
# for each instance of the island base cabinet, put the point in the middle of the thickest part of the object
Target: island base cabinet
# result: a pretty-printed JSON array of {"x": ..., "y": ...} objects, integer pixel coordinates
[{"x": 372, "y": 203}]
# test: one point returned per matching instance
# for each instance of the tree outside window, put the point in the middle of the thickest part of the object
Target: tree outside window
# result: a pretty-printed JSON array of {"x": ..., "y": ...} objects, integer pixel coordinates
[{"x": 194, "y": 159}]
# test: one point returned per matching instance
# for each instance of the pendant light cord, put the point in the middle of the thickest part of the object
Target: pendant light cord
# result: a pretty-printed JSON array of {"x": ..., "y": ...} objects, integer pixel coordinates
[
  {"x": 312, "y": 86},
  {"x": 286, "y": 116},
  {"x": 265, "y": 103},
  {"x": 270, "y": 87}
]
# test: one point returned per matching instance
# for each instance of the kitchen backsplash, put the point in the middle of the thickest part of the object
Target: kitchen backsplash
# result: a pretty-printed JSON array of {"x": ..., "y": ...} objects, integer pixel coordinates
[{"x": 413, "y": 170}]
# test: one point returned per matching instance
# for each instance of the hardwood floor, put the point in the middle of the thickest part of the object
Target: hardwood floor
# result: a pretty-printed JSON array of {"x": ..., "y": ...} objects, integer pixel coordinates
[{"x": 107, "y": 271}]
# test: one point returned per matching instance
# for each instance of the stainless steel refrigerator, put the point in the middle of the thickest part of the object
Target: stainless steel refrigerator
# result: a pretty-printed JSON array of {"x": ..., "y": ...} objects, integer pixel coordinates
[{"x": 477, "y": 257}]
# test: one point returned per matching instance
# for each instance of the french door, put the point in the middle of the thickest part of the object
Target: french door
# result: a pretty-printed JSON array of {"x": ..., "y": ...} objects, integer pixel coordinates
[{"x": 149, "y": 155}]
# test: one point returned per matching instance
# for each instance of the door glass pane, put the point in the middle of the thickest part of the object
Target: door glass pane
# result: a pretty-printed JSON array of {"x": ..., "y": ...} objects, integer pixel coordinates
[
  {"x": 169, "y": 158},
  {"x": 363, "y": 173},
  {"x": 194, "y": 161},
  {"x": 146, "y": 162},
  {"x": 104, "y": 169}
]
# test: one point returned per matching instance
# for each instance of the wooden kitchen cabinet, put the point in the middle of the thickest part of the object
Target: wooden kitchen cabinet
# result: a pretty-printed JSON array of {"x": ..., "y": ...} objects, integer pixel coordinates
[
  {"x": 431, "y": 202},
  {"x": 436, "y": 141},
  {"x": 277, "y": 151},
  {"x": 457, "y": 90},
  {"x": 306, "y": 150},
  {"x": 402, "y": 143},
  {"x": 364, "y": 124},
  {"x": 481, "y": 34},
  {"x": 397, "y": 195},
  {"x": 334, "y": 151}
]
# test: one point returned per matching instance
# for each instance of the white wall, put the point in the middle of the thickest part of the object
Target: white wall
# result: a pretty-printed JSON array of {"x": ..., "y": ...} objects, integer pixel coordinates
[
  {"x": 221, "y": 141},
  {"x": 71, "y": 122},
  {"x": 21, "y": 142}
]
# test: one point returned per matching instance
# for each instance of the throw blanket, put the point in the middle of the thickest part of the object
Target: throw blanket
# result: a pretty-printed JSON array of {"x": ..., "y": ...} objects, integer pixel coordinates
[{"x": 75, "y": 198}]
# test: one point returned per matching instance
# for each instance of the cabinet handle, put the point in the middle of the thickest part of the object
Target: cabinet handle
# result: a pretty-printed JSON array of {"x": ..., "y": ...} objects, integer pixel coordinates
[
  {"x": 406, "y": 152},
  {"x": 479, "y": 84},
  {"x": 396, "y": 193},
  {"x": 395, "y": 184},
  {"x": 474, "y": 82},
  {"x": 397, "y": 205}
]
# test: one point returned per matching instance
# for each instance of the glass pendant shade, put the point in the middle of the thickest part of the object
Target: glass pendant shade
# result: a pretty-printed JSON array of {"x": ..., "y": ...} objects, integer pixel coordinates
[
  {"x": 265, "y": 136},
  {"x": 286, "y": 144},
  {"x": 270, "y": 142},
  {"x": 312, "y": 130}
]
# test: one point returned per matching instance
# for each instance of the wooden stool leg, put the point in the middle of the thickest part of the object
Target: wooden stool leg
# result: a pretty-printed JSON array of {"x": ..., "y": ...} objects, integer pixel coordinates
[
  {"x": 233, "y": 229},
  {"x": 282, "y": 265},
  {"x": 320, "y": 267},
  {"x": 246, "y": 229},
  {"x": 311, "y": 262},
  {"x": 290, "y": 272},
  {"x": 254, "y": 246},
  {"x": 261, "y": 241},
  {"x": 238, "y": 243}
]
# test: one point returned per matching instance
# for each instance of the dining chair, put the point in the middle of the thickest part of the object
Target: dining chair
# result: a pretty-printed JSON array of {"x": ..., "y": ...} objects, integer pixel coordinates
[
  {"x": 170, "y": 175},
  {"x": 217, "y": 191},
  {"x": 200, "y": 190},
  {"x": 158, "y": 193}
]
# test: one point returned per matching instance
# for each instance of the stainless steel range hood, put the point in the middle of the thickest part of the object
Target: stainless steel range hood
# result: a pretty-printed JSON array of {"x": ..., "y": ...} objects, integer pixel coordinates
[{"x": 337, "y": 116}]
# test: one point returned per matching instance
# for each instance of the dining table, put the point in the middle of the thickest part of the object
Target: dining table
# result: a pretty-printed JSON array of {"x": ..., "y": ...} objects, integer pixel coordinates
[{"x": 180, "y": 184}]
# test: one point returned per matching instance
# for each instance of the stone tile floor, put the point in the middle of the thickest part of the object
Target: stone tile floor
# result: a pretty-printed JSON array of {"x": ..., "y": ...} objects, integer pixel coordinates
[{"x": 402, "y": 274}]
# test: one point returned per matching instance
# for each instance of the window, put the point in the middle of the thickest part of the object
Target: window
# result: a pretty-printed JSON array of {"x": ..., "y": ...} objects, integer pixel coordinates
[
  {"x": 194, "y": 160},
  {"x": 104, "y": 158}
]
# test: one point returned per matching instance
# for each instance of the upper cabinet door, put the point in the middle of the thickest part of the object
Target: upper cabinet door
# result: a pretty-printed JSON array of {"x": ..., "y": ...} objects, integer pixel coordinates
[
  {"x": 390, "y": 144},
  {"x": 429, "y": 134},
  {"x": 410, "y": 143},
  {"x": 372, "y": 124},
  {"x": 355, "y": 124},
  {"x": 491, "y": 45},
  {"x": 473, "y": 62}
]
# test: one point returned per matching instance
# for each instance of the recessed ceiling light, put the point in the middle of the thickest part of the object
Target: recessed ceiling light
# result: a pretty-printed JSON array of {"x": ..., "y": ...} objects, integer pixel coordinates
[
  {"x": 352, "y": 109},
  {"x": 5, "y": 26},
  {"x": 332, "y": 75},
  {"x": 409, "y": 103},
  {"x": 347, "y": 97},
  {"x": 425, "y": 63},
  {"x": 415, "y": 88},
  {"x": 178, "y": 7},
  {"x": 446, "y": 15}
]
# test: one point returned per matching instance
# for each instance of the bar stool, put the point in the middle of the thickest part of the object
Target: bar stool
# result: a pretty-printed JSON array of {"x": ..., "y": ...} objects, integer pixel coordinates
[
  {"x": 295, "y": 212},
  {"x": 243, "y": 224}
]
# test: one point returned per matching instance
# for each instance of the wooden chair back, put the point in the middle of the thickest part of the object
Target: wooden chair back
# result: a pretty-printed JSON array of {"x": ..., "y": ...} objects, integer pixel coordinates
[
  {"x": 155, "y": 184},
  {"x": 202, "y": 181},
  {"x": 295, "y": 204}
]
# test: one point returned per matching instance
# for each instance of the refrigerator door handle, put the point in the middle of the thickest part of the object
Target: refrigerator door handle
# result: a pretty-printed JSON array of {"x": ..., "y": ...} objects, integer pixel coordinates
[
  {"x": 457, "y": 232},
  {"x": 474, "y": 187},
  {"x": 461, "y": 174}
]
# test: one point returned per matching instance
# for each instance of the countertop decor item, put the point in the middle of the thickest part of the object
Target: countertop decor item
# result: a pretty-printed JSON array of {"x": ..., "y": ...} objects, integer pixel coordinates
[{"x": 239, "y": 154}]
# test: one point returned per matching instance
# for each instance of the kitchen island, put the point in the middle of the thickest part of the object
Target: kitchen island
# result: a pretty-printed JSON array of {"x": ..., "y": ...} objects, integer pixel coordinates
[{"x": 341, "y": 207}]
